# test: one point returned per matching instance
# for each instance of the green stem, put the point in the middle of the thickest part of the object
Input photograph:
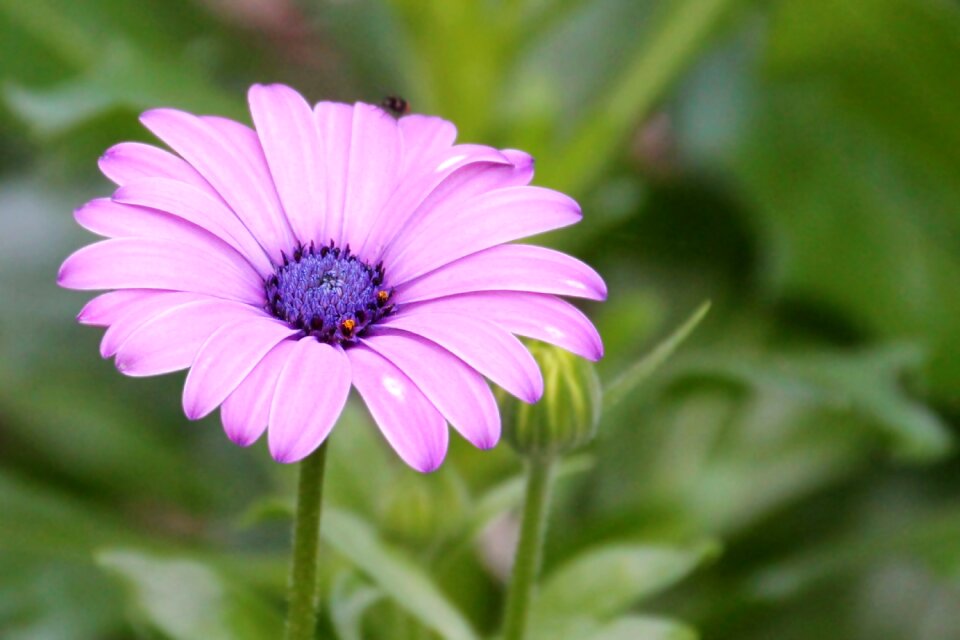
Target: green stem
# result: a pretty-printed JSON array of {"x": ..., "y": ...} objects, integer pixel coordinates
[
  {"x": 526, "y": 564},
  {"x": 681, "y": 34},
  {"x": 302, "y": 611}
]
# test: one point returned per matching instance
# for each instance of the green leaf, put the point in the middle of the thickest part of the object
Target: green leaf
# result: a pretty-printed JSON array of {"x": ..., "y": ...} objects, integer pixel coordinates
[
  {"x": 456, "y": 51},
  {"x": 644, "y": 628},
  {"x": 636, "y": 375},
  {"x": 40, "y": 521},
  {"x": 605, "y": 581},
  {"x": 395, "y": 574},
  {"x": 930, "y": 533},
  {"x": 560, "y": 71},
  {"x": 509, "y": 494},
  {"x": 125, "y": 77},
  {"x": 850, "y": 162},
  {"x": 361, "y": 467},
  {"x": 813, "y": 40},
  {"x": 866, "y": 384},
  {"x": 503, "y": 497},
  {"x": 100, "y": 57},
  {"x": 350, "y": 598},
  {"x": 42, "y": 596},
  {"x": 647, "y": 75},
  {"x": 625, "y": 628},
  {"x": 375, "y": 47},
  {"x": 186, "y": 600},
  {"x": 79, "y": 33},
  {"x": 49, "y": 585}
]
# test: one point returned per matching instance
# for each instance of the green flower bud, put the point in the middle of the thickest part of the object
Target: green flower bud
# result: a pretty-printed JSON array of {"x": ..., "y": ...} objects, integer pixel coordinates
[{"x": 567, "y": 415}]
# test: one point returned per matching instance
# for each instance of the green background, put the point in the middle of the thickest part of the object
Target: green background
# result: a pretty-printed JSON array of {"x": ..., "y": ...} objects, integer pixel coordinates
[{"x": 788, "y": 474}]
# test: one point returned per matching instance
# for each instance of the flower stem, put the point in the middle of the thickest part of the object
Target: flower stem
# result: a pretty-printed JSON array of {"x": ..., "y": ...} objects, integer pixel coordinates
[
  {"x": 526, "y": 563},
  {"x": 302, "y": 611}
]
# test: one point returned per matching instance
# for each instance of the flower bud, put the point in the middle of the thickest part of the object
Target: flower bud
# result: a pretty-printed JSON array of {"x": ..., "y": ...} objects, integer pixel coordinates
[{"x": 566, "y": 416}]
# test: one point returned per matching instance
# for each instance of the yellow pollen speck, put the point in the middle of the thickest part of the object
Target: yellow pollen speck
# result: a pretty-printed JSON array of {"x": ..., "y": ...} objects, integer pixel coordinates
[
  {"x": 348, "y": 325},
  {"x": 382, "y": 296}
]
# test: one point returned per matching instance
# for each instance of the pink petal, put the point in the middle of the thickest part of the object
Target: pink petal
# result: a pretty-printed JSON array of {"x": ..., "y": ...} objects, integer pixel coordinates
[
  {"x": 453, "y": 387},
  {"x": 424, "y": 137},
  {"x": 228, "y": 155},
  {"x": 138, "y": 313},
  {"x": 509, "y": 267},
  {"x": 465, "y": 172},
  {"x": 310, "y": 394},
  {"x": 246, "y": 412},
  {"x": 199, "y": 207},
  {"x": 420, "y": 191},
  {"x": 142, "y": 263},
  {"x": 523, "y": 165},
  {"x": 104, "y": 310},
  {"x": 130, "y": 161},
  {"x": 409, "y": 422},
  {"x": 372, "y": 171},
  {"x": 115, "y": 220},
  {"x": 109, "y": 219},
  {"x": 492, "y": 351},
  {"x": 170, "y": 340},
  {"x": 533, "y": 315},
  {"x": 226, "y": 358},
  {"x": 335, "y": 123},
  {"x": 291, "y": 142},
  {"x": 492, "y": 218}
]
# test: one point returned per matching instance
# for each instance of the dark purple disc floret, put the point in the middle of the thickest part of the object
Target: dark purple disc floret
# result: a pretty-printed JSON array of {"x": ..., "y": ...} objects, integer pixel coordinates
[{"x": 328, "y": 293}]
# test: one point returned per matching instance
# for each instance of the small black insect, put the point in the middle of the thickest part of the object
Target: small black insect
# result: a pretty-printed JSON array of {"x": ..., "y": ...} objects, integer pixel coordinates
[{"x": 395, "y": 105}]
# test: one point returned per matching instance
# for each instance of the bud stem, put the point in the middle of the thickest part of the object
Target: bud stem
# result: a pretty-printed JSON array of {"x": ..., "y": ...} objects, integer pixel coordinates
[
  {"x": 526, "y": 564},
  {"x": 302, "y": 607}
]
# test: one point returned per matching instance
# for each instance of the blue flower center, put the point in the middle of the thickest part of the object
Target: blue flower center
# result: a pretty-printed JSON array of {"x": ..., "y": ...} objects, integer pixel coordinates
[{"x": 328, "y": 293}]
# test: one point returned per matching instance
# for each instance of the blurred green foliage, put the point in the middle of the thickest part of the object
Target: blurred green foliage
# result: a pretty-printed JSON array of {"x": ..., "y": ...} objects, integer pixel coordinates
[{"x": 788, "y": 474}]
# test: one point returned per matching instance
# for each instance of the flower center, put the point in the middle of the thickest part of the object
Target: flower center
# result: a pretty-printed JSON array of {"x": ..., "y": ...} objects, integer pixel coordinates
[{"x": 328, "y": 293}]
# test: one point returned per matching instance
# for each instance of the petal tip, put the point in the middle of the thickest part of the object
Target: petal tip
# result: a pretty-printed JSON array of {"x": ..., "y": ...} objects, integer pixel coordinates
[
  {"x": 536, "y": 390},
  {"x": 519, "y": 159},
  {"x": 598, "y": 290},
  {"x": 287, "y": 456},
  {"x": 152, "y": 114},
  {"x": 259, "y": 91},
  {"x": 105, "y": 158},
  {"x": 269, "y": 87},
  {"x": 487, "y": 444},
  {"x": 152, "y": 117},
  {"x": 602, "y": 285},
  {"x": 428, "y": 466},
  {"x": 191, "y": 408},
  {"x": 63, "y": 275},
  {"x": 596, "y": 352},
  {"x": 120, "y": 194},
  {"x": 241, "y": 439}
]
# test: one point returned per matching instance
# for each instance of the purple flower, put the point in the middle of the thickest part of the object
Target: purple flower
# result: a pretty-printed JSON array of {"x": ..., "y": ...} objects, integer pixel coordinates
[{"x": 332, "y": 246}]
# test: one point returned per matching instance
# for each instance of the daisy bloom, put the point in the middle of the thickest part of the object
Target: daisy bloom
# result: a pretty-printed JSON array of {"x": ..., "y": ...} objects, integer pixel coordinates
[{"x": 328, "y": 247}]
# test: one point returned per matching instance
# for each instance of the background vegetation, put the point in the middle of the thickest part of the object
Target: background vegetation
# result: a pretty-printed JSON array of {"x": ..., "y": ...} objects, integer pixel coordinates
[{"x": 789, "y": 474}]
